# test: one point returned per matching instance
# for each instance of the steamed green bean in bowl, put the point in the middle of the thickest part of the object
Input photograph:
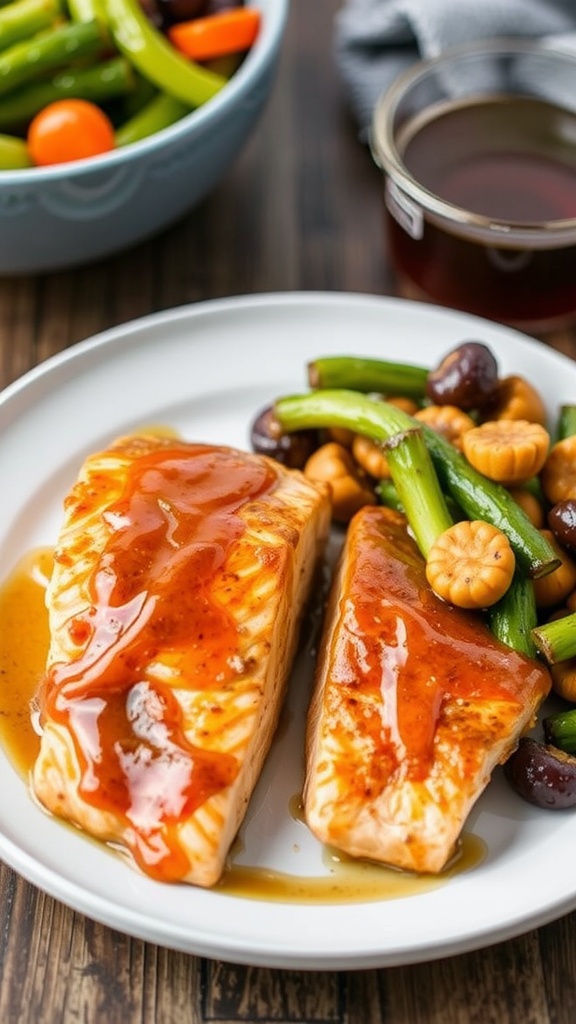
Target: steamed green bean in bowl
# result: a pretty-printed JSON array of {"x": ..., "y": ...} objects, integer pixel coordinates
[
  {"x": 69, "y": 214},
  {"x": 79, "y": 78}
]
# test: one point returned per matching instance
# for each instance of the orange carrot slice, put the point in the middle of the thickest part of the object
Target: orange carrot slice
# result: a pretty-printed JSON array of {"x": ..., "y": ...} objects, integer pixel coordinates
[{"x": 216, "y": 35}]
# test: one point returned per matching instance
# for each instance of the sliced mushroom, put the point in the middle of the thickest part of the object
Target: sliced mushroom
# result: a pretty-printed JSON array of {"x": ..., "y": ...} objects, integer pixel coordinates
[
  {"x": 466, "y": 377},
  {"x": 292, "y": 450}
]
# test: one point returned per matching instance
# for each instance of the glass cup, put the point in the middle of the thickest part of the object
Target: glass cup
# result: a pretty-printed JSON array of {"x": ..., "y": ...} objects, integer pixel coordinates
[{"x": 478, "y": 150}]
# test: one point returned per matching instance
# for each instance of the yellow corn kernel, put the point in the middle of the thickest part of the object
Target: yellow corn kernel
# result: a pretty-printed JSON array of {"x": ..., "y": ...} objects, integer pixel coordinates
[
  {"x": 370, "y": 457},
  {"x": 558, "y": 476},
  {"x": 564, "y": 679},
  {"x": 341, "y": 435},
  {"x": 516, "y": 399},
  {"x": 333, "y": 464},
  {"x": 508, "y": 451},
  {"x": 471, "y": 564},
  {"x": 448, "y": 420},
  {"x": 556, "y": 586},
  {"x": 530, "y": 505},
  {"x": 408, "y": 405}
]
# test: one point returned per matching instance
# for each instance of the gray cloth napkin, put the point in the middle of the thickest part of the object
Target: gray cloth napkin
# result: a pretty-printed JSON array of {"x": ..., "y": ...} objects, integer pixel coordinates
[{"x": 375, "y": 40}]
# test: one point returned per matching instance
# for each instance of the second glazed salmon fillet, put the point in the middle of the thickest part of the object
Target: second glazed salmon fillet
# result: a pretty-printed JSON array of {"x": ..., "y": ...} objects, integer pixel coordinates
[
  {"x": 415, "y": 704},
  {"x": 180, "y": 578}
]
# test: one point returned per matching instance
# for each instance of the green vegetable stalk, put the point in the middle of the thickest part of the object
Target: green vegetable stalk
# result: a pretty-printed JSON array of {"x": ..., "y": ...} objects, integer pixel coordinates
[
  {"x": 417, "y": 486},
  {"x": 478, "y": 497},
  {"x": 410, "y": 464},
  {"x": 155, "y": 58},
  {"x": 48, "y": 51},
  {"x": 388, "y": 495},
  {"x": 24, "y": 18},
  {"x": 481, "y": 498},
  {"x": 514, "y": 616},
  {"x": 162, "y": 111},
  {"x": 85, "y": 10},
  {"x": 360, "y": 374},
  {"x": 556, "y": 640},
  {"x": 138, "y": 97},
  {"x": 560, "y": 730},
  {"x": 13, "y": 154},
  {"x": 566, "y": 422},
  {"x": 103, "y": 81}
]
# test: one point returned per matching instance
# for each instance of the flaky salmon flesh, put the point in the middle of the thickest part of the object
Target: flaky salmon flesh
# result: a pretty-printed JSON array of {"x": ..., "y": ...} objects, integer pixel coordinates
[
  {"x": 415, "y": 704},
  {"x": 181, "y": 575}
]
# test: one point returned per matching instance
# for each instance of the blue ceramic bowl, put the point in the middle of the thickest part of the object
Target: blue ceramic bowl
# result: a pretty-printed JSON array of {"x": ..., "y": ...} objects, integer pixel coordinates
[{"x": 70, "y": 214}]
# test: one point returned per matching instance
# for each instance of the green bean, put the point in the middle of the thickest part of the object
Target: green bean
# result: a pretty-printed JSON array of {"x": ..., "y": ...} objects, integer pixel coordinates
[
  {"x": 359, "y": 374},
  {"x": 556, "y": 639},
  {"x": 162, "y": 111},
  {"x": 155, "y": 58},
  {"x": 514, "y": 616},
  {"x": 22, "y": 19},
  {"x": 55, "y": 48},
  {"x": 114, "y": 77},
  {"x": 13, "y": 154},
  {"x": 478, "y": 497},
  {"x": 388, "y": 495},
  {"x": 566, "y": 422},
  {"x": 139, "y": 96},
  {"x": 481, "y": 498},
  {"x": 85, "y": 10},
  {"x": 560, "y": 730},
  {"x": 417, "y": 487},
  {"x": 410, "y": 464}
]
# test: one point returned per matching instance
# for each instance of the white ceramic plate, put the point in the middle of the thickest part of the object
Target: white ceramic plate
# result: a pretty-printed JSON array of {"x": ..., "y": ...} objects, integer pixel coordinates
[{"x": 205, "y": 370}]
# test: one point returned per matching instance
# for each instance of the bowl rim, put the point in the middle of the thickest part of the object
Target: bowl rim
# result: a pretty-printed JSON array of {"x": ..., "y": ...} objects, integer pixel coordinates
[{"x": 275, "y": 14}]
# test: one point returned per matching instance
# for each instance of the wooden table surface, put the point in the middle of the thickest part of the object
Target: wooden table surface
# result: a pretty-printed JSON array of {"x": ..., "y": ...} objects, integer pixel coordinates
[{"x": 300, "y": 210}]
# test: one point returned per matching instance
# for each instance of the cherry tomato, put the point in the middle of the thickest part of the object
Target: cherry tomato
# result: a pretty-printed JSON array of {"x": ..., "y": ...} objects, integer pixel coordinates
[{"x": 69, "y": 129}]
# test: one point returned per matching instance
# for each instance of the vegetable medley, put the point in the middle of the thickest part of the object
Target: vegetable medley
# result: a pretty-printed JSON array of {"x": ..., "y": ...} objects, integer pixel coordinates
[
  {"x": 82, "y": 77},
  {"x": 488, "y": 488}
]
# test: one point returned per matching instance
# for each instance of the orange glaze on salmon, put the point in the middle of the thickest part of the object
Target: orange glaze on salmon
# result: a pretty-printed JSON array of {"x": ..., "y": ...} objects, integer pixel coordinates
[
  {"x": 415, "y": 704},
  {"x": 181, "y": 574}
]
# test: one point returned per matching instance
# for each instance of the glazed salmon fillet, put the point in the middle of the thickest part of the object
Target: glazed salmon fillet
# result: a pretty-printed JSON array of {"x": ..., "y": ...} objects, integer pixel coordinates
[
  {"x": 181, "y": 575},
  {"x": 415, "y": 704}
]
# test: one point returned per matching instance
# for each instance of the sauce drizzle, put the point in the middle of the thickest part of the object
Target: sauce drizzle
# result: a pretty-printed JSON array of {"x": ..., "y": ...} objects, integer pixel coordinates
[
  {"x": 169, "y": 532},
  {"x": 23, "y": 647}
]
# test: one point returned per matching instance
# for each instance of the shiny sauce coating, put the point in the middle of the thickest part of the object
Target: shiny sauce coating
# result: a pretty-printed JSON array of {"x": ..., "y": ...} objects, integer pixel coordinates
[
  {"x": 168, "y": 533},
  {"x": 23, "y": 649},
  {"x": 409, "y": 659}
]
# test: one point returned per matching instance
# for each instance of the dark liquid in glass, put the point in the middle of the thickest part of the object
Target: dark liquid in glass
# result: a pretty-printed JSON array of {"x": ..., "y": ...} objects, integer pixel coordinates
[{"x": 507, "y": 158}]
